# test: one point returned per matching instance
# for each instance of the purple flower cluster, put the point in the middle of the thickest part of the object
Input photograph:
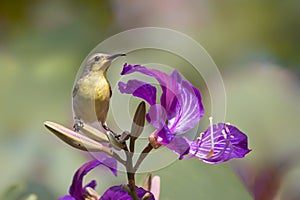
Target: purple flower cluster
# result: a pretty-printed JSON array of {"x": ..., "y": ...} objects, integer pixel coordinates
[
  {"x": 79, "y": 192},
  {"x": 178, "y": 111}
]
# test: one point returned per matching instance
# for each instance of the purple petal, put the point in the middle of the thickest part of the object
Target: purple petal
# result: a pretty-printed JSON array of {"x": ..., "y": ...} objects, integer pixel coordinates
[
  {"x": 164, "y": 135},
  {"x": 139, "y": 89},
  {"x": 167, "y": 83},
  {"x": 176, "y": 76},
  {"x": 182, "y": 101},
  {"x": 91, "y": 184},
  {"x": 157, "y": 116},
  {"x": 76, "y": 189},
  {"x": 141, "y": 192},
  {"x": 117, "y": 192},
  {"x": 190, "y": 108},
  {"x": 229, "y": 142},
  {"x": 67, "y": 197},
  {"x": 108, "y": 162},
  {"x": 127, "y": 69},
  {"x": 179, "y": 145}
]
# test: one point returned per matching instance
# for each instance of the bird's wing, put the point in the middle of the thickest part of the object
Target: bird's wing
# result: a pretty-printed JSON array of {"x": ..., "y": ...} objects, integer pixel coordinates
[
  {"x": 84, "y": 73},
  {"x": 75, "y": 90},
  {"x": 110, "y": 92}
]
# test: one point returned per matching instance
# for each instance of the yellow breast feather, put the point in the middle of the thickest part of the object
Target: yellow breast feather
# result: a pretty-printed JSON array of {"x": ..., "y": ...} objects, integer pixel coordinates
[{"x": 94, "y": 86}]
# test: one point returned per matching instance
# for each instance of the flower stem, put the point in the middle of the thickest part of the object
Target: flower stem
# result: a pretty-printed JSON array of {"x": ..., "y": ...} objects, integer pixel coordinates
[
  {"x": 131, "y": 184},
  {"x": 118, "y": 158},
  {"x": 130, "y": 173},
  {"x": 142, "y": 156},
  {"x": 132, "y": 143}
]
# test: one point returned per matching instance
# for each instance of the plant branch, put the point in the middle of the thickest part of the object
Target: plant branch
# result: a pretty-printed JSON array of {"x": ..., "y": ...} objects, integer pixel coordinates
[
  {"x": 130, "y": 173},
  {"x": 132, "y": 143},
  {"x": 142, "y": 156},
  {"x": 118, "y": 158}
]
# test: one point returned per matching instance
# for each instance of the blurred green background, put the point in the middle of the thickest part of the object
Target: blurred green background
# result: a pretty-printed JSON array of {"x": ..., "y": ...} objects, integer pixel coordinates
[{"x": 255, "y": 44}]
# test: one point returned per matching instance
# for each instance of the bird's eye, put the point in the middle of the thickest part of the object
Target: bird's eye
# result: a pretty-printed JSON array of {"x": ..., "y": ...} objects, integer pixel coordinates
[{"x": 97, "y": 58}]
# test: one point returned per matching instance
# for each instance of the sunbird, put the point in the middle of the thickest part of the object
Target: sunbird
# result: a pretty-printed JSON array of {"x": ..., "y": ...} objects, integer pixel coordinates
[{"x": 92, "y": 91}]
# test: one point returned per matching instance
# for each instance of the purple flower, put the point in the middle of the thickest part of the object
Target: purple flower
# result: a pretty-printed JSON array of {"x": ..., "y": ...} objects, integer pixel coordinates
[
  {"x": 180, "y": 107},
  {"x": 117, "y": 192},
  {"x": 225, "y": 143},
  {"x": 179, "y": 110},
  {"x": 77, "y": 191}
]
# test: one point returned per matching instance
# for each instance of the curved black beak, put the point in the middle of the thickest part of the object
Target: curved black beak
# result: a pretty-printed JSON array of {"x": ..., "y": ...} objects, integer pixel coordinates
[{"x": 111, "y": 57}]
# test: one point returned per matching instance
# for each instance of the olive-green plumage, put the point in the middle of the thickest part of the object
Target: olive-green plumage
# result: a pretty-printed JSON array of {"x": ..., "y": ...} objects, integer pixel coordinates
[{"x": 92, "y": 92}]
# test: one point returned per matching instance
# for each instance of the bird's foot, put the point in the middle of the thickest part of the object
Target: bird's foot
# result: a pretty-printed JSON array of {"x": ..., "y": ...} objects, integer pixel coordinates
[
  {"x": 106, "y": 127},
  {"x": 77, "y": 125},
  {"x": 117, "y": 136}
]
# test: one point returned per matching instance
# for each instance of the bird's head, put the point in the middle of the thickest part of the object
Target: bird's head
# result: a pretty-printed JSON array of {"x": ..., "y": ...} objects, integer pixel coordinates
[{"x": 101, "y": 61}]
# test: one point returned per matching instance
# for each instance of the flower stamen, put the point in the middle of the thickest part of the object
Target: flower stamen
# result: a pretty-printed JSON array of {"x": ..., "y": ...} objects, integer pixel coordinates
[
  {"x": 200, "y": 137},
  {"x": 210, "y": 153},
  {"x": 226, "y": 127},
  {"x": 211, "y": 138},
  {"x": 224, "y": 134},
  {"x": 227, "y": 130}
]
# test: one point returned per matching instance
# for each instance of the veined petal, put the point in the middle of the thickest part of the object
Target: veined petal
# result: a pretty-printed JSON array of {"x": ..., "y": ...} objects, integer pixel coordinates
[
  {"x": 176, "y": 76},
  {"x": 168, "y": 84},
  {"x": 182, "y": 101},
  {"x": 139, "y": 89},
  {"x": 190, "y": 108},
  {"x": 229, "y": 142}
]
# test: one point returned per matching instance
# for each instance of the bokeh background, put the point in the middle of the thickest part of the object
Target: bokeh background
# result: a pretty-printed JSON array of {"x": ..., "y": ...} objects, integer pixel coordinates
[{"x": 254, "y": 43}]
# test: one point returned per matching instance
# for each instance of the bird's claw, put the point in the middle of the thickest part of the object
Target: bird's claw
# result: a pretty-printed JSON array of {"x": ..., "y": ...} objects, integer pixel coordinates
[
  {"x": 77, "y": 125},
  {"x": 117, "y": 136},
  {"x": 106, "y": 127}
]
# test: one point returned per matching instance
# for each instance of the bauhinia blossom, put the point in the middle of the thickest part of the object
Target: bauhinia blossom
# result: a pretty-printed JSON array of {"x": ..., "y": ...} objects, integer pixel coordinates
[
  {"x": 79, "y": 192},
  {"x": 178, "y": 111},
  {"x": 219, "y": 143}
]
